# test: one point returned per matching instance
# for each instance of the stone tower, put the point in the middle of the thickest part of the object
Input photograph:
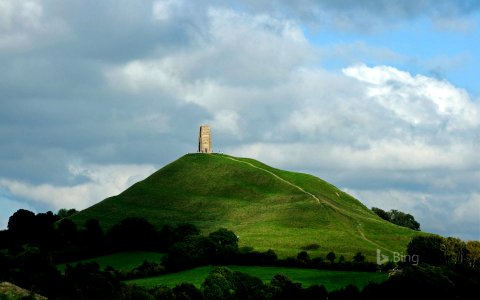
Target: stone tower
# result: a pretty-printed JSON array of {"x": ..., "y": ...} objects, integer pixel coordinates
[{"x": 204, "y": 140}]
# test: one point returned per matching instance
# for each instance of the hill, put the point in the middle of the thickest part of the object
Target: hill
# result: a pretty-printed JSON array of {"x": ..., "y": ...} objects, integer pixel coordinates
[
  {"x": 266, "y": 207},
  {"x": 11, "y": 291}
]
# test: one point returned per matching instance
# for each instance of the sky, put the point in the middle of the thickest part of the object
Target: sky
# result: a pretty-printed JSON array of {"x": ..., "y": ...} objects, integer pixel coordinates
[{"x": 380, "y": 98}]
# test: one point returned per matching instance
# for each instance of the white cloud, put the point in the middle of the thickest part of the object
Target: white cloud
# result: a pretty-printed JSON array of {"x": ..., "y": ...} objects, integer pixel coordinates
[
  {"x": 468, "y": 211},
  {"x": 163, "y": 9},
  {"x": 377, "y": 155},
  {"x": 226, "y": 121},
  {"x": 229, "y": 66},
  {"x": 23, "y": 22},
  {"x": 102, "y": 182},
  {"x": 436, "y": 212},
  {"x": 417, "y": 99},
  {"x": 255, "y": 73}
]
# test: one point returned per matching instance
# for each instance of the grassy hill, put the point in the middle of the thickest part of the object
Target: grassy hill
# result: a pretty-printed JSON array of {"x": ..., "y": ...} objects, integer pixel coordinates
[{"x": 266, "y": 207}]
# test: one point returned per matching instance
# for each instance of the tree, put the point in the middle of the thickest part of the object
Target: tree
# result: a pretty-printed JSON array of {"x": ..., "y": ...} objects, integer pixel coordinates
[
  {"x": 187, "y": 291},
  {"x": 331, "y": 257},
  {"x": 133, "y": 292},
  {"x": 86, "y": 281},
  {"x": 22, "y": 225},
  {"x": 184, "y": 230},
  {"x": 218, "y": 284},
  {"x": 473, "y": 254},
  {"x": 226, "y": 243},
  {"x": 403, "y": 219},
  {"x": 359, "y": 258},
  {"x": 93, "y": 234},
  {"x": 349, "y": 292},
  {"x": 44, "y": 230},
  {"x": 381, "y": 213},
  {"x": 397, "y": 217},
  {"x": 454, "y": 250},
  {"x": 248, "y": 287},
  {"x": 270, "y": 256},
  {"x": 34, "y": 268},
  {"x": 132, "y": 234},
  {"x": 429, "y": 249},
  {"x": 65, "y": 213},
  {"x": 195, "y": 250},
  {"x": 303, "y": 257},
  {"x": 317, "y": 292},
  {"x": 284, "y": 287},
  {"x": 67, "y": 230}
]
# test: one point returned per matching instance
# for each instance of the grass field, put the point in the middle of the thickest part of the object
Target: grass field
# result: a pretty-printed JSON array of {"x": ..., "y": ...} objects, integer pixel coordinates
[
  {"x": 123, "y": 261},
  {"x": 266, "y": 207},
  {"x": 332, "y": 280}
]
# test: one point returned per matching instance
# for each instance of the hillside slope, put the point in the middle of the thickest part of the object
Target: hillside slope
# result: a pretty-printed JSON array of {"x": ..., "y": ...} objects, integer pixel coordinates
[{"x": 266, "y": 207}]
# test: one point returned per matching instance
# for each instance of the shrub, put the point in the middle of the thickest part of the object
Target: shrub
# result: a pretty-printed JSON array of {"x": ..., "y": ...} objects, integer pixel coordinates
[{"x": 310, "y": 247}]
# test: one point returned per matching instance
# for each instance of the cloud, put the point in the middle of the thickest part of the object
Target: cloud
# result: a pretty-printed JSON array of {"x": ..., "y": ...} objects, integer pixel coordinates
[
  {"x": 395, "y": 140},
  {"x": 431, "y": 210},
  {"x": 457, "y": 25},
  {"x": 237, "y": 45},
  {"x": 99, "y": 182},
  {"x": 227, "y": 121},
  {"x": 418, "y": 100},
  {"x": 162, "y": 10},
  {"x": 371, "y": 15},
  {"x": 24, "y": 24},
  {"x": 127, "y": 83},
  {"x": 469, "y": 211}
]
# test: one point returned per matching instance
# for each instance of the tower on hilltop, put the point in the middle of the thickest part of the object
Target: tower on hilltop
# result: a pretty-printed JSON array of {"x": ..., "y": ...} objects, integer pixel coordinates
[{"x": 205, "y": 140}]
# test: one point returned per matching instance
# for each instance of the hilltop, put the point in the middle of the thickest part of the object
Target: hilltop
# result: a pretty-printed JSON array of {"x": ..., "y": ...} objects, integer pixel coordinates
[{"x": 266, "y": 207}]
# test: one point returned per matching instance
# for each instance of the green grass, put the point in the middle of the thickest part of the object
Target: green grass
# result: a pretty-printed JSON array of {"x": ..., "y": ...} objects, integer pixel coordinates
[
  {"x": 332, "y": 280},
  {"x": 266, "y": 207},
  {"x": 123, "y": 261}
]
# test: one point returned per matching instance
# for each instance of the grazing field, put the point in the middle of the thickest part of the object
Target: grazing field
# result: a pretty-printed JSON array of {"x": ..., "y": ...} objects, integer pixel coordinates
[
  {"x": 332, "y": 280},
  {"x": 123, "y": 261},
  {"x": 266, "y": 207}
]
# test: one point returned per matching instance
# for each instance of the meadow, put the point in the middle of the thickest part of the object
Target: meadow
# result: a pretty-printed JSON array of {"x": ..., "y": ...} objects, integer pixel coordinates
[
  {"x": 123, "y": 261},
  {"x": 332, "y": 280}
]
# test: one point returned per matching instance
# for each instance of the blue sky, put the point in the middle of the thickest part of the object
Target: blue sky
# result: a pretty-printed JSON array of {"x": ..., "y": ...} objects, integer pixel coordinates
[
  {"x": 418, "y": 47},
  {"x": 379, "y": 97}
]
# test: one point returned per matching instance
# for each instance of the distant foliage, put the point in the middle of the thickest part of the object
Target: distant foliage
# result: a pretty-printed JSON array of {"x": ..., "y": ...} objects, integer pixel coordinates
[
  {"x": 331, "y": 256},
  {"x": 65, "y": 213},
  {"x": 436, "y": 250},
  {"x": 381, "y": 213},
  {"x": 220, "y": 246},
  {"x": 132, "y": 234},
  {"x": 448, "y": 268},
  {"x": 310, "y": 247},
  {"x": 473, "y": 254},
  {"x": 359, "y": 258},
  {"x": 397, "y": 217}
]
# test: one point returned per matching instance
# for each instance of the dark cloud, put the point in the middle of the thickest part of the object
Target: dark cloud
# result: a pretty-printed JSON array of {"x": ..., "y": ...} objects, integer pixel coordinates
[
  {"x": 93, "y": 94},
  {"x": 365, "y": 16}
]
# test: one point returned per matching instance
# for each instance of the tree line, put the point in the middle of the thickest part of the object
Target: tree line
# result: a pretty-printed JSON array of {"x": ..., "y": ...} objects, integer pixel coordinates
[
  {"x": 183, "y": 244},
  {"x": 397, "y": 217},
  {"x": 34, "y": 243}
]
